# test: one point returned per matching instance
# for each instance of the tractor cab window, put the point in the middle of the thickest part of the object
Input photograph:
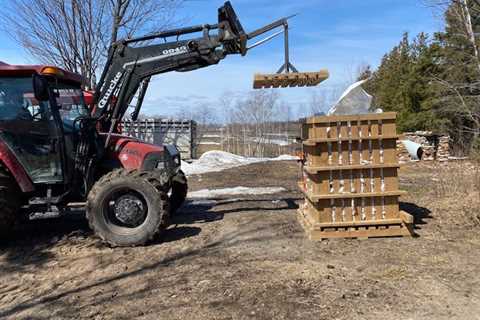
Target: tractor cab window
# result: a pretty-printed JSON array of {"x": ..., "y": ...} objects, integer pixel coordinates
[
  {"x": 29, "y": 129},
  {"x": 71, "y": 105},
  {"x": 18, "y": 103}
]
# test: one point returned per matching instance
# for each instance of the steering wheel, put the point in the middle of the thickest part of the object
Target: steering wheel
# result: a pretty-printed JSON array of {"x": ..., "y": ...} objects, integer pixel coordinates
[{"x": 84, "y": 123}]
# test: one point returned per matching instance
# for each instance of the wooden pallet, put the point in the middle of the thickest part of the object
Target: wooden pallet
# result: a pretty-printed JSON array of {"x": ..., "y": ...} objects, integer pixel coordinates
[
  {"x": 294, "y": 79},
  {"x": 350, "y": 178},
  {"x": 359, "y": 230}
]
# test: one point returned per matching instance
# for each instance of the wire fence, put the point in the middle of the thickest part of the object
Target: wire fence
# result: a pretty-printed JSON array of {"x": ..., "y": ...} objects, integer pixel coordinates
[{"x": 248, "y": 141}]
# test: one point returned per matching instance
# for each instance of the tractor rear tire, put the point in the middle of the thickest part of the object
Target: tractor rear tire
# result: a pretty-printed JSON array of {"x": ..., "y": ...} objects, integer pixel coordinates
[
  {"x": 10, "y": 204},
  {"x": 179, "y": 191},
  {"x": 128, "y": 208}
]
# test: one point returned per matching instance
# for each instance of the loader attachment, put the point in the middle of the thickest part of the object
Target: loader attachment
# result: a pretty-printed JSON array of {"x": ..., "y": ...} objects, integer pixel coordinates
[
  {"x": 287, "y": 75},
  {"x": 291, "y": 79}
]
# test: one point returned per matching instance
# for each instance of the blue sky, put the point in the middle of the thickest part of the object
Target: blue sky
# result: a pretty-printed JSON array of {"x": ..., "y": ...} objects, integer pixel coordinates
[{"x": 337, "y": 35}]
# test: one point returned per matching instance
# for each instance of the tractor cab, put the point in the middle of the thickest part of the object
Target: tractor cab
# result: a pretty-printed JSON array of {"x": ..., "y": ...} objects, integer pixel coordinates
[{"x": 38, "y": 109}]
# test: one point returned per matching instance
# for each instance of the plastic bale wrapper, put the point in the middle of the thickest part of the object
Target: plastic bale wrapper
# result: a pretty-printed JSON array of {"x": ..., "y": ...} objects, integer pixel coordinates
[{"x": 351, "y": 178}]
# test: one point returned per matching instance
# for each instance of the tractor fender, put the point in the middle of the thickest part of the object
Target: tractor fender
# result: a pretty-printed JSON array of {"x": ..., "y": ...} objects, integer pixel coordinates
[{"x": 8, "y": 159}]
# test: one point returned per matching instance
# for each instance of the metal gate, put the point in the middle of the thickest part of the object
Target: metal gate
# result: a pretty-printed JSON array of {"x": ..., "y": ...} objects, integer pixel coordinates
[{"x": 181, "y": 133}]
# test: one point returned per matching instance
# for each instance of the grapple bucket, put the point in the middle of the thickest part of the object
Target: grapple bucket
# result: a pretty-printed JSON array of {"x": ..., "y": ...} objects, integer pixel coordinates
[{"x": 288, "y": 80}]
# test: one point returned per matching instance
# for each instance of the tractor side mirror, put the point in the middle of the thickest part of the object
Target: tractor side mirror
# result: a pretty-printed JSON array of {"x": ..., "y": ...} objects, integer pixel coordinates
[{"x": 40, "y": 87}]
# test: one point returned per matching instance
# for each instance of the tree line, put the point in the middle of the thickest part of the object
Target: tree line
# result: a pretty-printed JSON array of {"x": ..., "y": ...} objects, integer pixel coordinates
[{"x": 433, "y": 82}]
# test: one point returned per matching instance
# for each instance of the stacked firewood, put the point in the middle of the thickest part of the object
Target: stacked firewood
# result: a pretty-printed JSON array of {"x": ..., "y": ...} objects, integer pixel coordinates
[
  {"x": 435, "y": 147},
  {"x": 443, "y": 150}
]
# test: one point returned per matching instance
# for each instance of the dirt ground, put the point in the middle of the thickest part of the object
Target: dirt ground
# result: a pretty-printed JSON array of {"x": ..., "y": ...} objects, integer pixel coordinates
[{"x": 248, "y": 258}]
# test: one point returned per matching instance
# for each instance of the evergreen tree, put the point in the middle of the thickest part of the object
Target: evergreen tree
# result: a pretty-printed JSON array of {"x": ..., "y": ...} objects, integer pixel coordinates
[
  {"x": 458, "y": 79},
  {"x": 365, "y": 74},
  {"x": 402, "y": 84},
  {"x": 434, "y": 84}
]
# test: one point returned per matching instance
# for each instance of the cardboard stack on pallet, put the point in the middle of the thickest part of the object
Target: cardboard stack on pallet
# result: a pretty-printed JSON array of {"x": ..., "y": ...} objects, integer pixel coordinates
[{"x": 351, "y": 178}]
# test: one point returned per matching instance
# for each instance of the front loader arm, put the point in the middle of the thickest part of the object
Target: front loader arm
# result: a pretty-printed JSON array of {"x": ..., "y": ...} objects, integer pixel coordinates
[
  {"x": 131, "y": 63},
  {"x": 130, "y": 66}
]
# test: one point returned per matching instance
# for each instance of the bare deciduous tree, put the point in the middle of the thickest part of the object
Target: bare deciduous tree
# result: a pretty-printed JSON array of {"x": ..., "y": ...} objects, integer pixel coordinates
[
  {"x": 205, "y": 115},
  {"x": 76, "y": 34},
  {"x": 466, "y": 105},
  {"x": 319, "y": 103},
  {"x": 463, "y": 14},
  {"x": 255, "y": 113}
]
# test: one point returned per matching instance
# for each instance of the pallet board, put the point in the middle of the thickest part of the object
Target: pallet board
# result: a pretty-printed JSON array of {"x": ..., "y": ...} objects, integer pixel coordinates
[
  {"x": 368, "y": 230},
  {"x": 350, "y": 178},
  {"x": 294, "y": 79}
]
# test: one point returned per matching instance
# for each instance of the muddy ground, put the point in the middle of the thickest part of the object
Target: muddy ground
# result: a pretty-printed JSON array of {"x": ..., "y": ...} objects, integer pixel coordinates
[{"x": 248, "y": 258}]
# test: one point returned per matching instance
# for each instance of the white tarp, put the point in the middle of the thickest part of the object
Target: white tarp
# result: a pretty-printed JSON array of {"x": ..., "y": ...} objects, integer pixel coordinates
[{"x": 355, "y": 100}]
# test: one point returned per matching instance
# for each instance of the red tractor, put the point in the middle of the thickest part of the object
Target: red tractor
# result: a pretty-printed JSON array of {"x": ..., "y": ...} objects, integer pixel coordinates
[{"x": 55, "y": 152}]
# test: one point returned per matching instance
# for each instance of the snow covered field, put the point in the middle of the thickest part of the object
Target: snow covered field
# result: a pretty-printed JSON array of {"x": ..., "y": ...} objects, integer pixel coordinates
[
  {"x": 215, "y": 161},
  {"x": 209, "y": 194}
]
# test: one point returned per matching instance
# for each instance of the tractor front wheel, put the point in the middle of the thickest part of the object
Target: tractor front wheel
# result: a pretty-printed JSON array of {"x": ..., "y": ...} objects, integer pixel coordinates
[{"x": 128, "y": 208}]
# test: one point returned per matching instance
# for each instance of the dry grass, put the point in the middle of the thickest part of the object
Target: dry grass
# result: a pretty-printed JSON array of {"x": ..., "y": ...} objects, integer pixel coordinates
[{"x": 450, "y": 191}]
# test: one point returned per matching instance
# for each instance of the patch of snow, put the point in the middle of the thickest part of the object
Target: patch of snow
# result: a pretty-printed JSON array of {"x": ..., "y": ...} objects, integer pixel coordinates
[
  {"x": 211, "y": 136},
  {"x": 457, "y": 158},
  {"x": 210, "y": 143},
  {"x": 204, "y": 202},
  {"x": 286, "y": 157},
  {"x": 278, "y": 142},
  {"x": 215, "y": 161},
  {"x": 209, "y": 194}
]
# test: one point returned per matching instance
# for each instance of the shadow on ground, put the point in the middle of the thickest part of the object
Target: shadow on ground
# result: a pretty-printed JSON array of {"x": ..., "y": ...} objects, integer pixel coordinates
[
  {"x": 420, "y": 214},
  {"x": 205, "y": 211},
  {"x": 31, "y": 240},
  {"x": 59, "y": 297}
]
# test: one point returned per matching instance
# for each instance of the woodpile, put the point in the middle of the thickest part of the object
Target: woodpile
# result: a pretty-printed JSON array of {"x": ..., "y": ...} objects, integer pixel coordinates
[
  {"x": 443, "y": 149},
  {"x": 434, "y": 146},
  {"x": 350, "y": 178},
  {"x": 402, "y": 153}
]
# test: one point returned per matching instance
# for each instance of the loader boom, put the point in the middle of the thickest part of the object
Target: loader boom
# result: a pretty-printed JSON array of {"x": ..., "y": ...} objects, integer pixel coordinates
[{"x": 131, "y": 62}]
